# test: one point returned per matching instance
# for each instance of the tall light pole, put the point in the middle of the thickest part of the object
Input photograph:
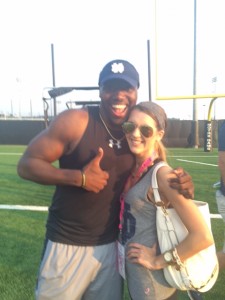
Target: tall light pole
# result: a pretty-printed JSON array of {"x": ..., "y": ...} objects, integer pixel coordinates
[
  {"x": 149, "y": 71},
  {"x": 195, "y": 108},
  {"x": 53, "y": 76},
  {"x": 214, "y": 81},
  {"x": 31, "y": 111},
  {"x": 19, "y": 88},
  {"x": 11, "y": 108},
  {"x": 204, "y": 111}
]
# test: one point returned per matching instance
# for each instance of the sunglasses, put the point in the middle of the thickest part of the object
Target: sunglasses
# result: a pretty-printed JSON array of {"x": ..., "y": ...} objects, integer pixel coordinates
[{"x": 129, "y": 127}]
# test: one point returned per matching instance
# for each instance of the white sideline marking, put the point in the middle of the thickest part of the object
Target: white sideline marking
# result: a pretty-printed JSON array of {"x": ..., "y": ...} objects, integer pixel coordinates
[
  {"x": 192, "y": 156},
  {"x": 45, "y": 208},
  {"x": 2, "y": 153},
  {"x": 197, "y": 162},
  {"x": 212, "y": 216},
  {"x": 215, "y": 216},
  {"x": 24, "y": 207}
]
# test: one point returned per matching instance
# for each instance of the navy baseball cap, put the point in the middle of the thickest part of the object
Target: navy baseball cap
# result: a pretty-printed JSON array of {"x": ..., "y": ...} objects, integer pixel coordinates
[{"x": 119, "y": 69}]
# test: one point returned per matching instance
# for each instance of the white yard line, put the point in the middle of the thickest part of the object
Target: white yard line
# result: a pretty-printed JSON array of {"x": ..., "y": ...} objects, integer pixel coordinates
[
  {"x": 45, "y": 208},
  {"x": 215, "y": 216},
  {"x": 197, "y": 162},
  {"x": 24, "y": 207},
  {"x": 192, "y": 156},
  {"x": 2, "y": 153}
]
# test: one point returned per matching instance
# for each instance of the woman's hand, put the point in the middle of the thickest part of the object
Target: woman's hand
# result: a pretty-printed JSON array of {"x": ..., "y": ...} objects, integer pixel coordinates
[{"x": 140, "y": 254}]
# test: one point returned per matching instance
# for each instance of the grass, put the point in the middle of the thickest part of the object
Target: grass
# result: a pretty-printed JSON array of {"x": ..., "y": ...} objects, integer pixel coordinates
[
  {"x": 20, "y": 250},
  {"x": 22, "y": 232}
]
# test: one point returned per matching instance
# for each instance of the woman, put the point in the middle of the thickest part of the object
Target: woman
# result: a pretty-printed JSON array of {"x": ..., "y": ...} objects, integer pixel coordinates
[{"x": 144, "y": 263}]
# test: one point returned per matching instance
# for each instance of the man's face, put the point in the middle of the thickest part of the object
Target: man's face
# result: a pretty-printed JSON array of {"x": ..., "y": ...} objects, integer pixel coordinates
[{"x": 117, "y": 98}]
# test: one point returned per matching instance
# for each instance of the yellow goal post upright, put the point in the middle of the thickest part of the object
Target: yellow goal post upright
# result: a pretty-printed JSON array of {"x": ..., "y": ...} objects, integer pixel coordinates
[
  {"x": 208, "y": 123},
  {"x": 194, "y": 96}
]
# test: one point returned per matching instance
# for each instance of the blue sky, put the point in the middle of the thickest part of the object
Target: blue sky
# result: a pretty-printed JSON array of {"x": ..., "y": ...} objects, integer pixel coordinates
[{"x": 86, "y": 34}]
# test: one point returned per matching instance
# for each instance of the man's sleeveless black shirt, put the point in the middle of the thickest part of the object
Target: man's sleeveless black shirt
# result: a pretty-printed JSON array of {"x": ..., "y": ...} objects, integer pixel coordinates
[{"x": 79, "y": 217}]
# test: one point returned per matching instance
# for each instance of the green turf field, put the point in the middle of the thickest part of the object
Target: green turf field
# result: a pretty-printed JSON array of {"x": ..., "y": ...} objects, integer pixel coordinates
[{"x": 22, "y": 231}]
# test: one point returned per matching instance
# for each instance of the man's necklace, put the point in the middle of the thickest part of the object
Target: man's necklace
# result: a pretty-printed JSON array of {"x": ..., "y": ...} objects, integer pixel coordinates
[{"x": 113, "y": 141}]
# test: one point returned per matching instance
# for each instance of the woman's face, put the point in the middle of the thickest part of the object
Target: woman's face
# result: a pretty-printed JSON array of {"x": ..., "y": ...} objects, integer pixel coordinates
[{"x": 143, "y": 138}]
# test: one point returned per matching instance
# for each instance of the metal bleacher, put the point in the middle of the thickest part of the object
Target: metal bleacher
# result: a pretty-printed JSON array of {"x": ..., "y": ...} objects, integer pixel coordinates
[{"x": 50, "y": 94}]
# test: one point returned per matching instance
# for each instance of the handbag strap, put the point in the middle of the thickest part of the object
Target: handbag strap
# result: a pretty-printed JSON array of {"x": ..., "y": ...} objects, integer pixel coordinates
[
  {"x": 154, "y": 181},
  {"x": 161, "y": 205}
]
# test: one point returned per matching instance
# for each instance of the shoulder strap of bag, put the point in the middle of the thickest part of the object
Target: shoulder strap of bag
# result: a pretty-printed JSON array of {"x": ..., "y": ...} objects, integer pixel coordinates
[{"x": 154, "y": 180}]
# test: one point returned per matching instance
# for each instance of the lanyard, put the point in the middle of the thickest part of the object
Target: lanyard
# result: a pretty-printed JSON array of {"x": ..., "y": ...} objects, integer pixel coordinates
[{"x": 131, "y": 181}]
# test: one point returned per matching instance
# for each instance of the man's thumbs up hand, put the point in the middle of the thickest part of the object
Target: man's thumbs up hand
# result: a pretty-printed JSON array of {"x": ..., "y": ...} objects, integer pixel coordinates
[{"x": 95, "y": 178}]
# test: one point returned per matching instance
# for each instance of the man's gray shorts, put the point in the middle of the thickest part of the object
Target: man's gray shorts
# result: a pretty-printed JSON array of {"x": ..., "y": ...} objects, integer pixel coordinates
[{"x": 70, "y": 272}]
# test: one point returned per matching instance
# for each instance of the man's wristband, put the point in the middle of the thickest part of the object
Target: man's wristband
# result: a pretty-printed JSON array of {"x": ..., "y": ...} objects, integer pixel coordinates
[{"x": 83, "y": 182}]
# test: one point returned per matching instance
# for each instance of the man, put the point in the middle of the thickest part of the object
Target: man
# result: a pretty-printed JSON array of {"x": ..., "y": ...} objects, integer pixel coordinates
[
  {"x": 220, "y": 194},
  {"x": 79, "y": 258}
]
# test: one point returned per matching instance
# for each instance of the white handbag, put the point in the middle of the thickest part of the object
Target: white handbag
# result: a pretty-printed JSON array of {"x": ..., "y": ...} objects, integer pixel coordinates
[{"x": 198, "y": 272}]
